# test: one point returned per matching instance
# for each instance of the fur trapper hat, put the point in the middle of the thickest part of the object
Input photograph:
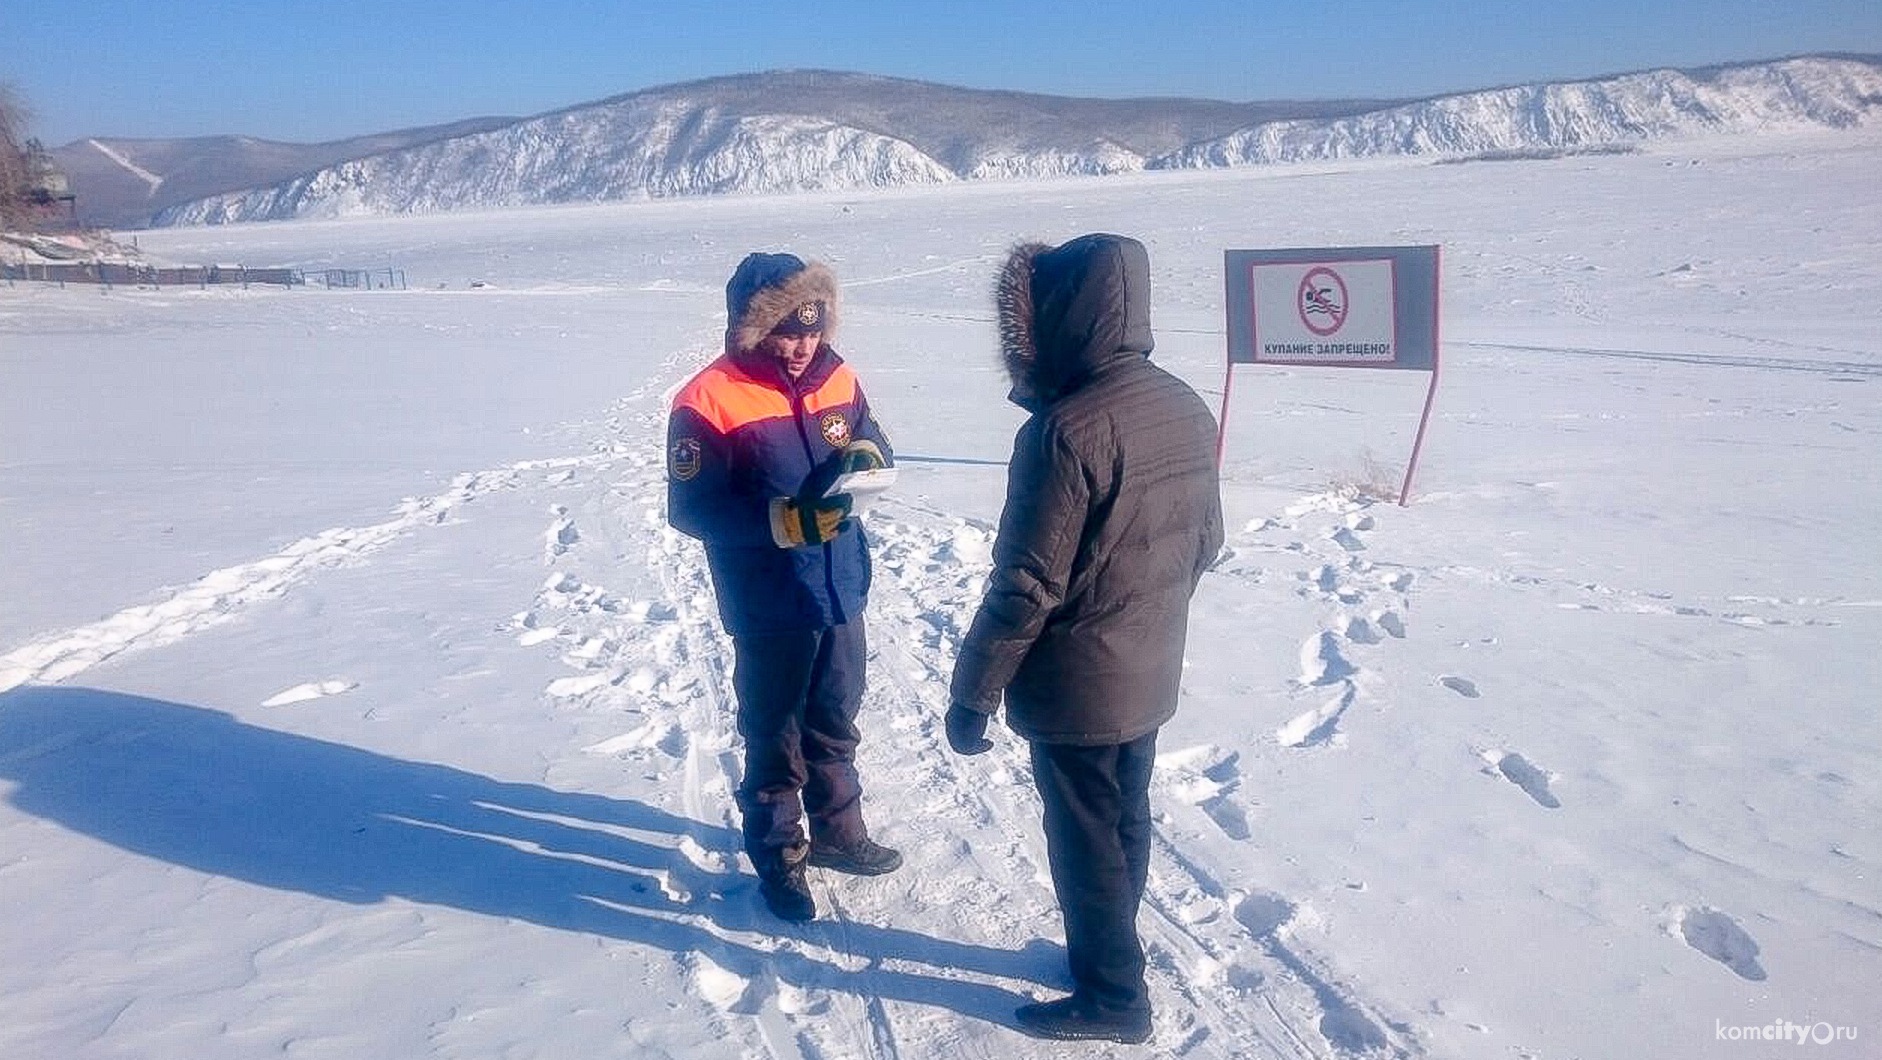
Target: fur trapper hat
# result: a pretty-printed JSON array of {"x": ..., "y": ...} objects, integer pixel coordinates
[{"x": 771, "y": 292}]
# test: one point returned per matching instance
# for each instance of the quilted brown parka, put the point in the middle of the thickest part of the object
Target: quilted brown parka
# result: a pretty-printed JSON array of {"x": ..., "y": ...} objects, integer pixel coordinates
[{"x": 1112, "y": 507}]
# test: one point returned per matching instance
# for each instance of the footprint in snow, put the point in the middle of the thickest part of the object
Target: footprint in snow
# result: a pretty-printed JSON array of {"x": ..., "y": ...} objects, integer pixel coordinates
[
  {"x": 1326, "y": 578},
  {"x": 723, "y": 989},
  {"x": 794, "y": 1000},
  {"x": 1205, "y": 777},
  {"x": 1389, "y": 621},
  {"x": 1229, "y": 817},
  {"x": 561, "y": 583},
  {"x": 1463, "y": 686},
  {"x": 1345, "y": 1027},
  {"x": 1264, "y": 914},
  {"x": 1346, "y": 539},
  {"x": 655, "y": 735},
  {"x": 1322, "y": 663},
  {"x": 311, "y": 690},
  {"x": 1360, "y": 631},
  {"x": 1526, "y": 775},
  {"x": 561, "y": 533},
  {"x": 1719, "y": 937},
  {"x": 1318, "y": 726}
]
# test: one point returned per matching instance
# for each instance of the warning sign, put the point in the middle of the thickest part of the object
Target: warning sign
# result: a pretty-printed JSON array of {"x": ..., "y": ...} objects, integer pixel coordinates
[
  {"x": 1324, "y": 312},
  {"x": 1360, "y": 307},
  {"x": 1334, "y": 307}
]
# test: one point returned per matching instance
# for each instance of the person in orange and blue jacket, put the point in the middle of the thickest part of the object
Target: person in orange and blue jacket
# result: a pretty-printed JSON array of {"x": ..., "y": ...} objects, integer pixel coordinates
[{"x": 755, "y": 441}]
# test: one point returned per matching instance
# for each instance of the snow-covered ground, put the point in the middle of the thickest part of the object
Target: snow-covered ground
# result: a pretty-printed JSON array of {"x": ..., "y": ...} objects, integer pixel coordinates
[{"x": 362, "y": 705}]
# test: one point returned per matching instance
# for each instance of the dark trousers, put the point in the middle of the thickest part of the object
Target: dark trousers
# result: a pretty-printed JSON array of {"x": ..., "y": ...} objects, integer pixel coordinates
[
  {"x": 1097, "y": 821},
  {"x": 798, "y": 693}
]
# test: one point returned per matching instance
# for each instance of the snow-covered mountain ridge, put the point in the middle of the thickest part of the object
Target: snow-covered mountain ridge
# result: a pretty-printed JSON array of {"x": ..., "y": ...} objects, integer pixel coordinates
[
  {"x": 121, "y": 182},
  {"x": 814, "y": 130},
  {"x": 1658, "y": 104}
]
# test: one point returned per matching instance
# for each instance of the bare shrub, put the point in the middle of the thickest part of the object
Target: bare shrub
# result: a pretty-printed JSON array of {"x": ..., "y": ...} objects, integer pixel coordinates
[{"x": 1372, "y": 480}]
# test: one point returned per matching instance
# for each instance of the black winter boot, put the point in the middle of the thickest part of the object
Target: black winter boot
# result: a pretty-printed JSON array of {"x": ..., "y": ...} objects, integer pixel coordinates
[
  {"x": 1073, "y": 1018},
  {"x": 865, "y": 857},
  {"x": 786, "y": 891}
]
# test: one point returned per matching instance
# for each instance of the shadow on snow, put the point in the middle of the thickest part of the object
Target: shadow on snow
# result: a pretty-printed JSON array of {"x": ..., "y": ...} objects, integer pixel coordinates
[{"x": 195, "y": 787}]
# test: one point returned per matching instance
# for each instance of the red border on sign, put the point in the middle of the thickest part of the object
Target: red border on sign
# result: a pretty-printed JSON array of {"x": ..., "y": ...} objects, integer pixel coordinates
[
  {"x": 1339, "y": 312},
  {"x": 1254, "y": 324}
]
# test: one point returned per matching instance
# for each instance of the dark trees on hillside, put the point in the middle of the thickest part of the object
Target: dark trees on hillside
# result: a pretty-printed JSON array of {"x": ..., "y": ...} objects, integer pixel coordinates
[{"x": 13, "y": 167}]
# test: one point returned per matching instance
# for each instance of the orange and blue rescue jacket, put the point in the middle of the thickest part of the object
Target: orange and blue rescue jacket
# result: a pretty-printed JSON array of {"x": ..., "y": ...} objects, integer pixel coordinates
[{"x": 741, "y": 433}]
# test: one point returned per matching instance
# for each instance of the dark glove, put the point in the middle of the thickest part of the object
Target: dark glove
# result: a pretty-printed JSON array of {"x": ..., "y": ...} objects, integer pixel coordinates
[
  {"x": 967, "y": 730},
  {"x": 799, "y": 521}
]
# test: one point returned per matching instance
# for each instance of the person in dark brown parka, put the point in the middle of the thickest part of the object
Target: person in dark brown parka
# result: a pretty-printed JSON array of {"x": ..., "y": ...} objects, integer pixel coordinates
[{"x": 1112, "y": 514}]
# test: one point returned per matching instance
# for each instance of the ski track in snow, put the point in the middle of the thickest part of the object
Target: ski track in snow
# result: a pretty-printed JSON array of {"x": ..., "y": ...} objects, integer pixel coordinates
[
  {"x": 223, "y": 594},
  {"x": 220, "y": 595},
  {"x": 1572, "y": 594}
]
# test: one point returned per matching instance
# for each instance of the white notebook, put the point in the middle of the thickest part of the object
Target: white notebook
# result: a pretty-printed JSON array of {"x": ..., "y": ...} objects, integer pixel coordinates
[{"x": 862, "y": 485}]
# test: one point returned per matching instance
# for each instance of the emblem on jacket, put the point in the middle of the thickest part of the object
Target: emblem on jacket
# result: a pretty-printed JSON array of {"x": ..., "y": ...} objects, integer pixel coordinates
[
  {"x": 836, "y": 429},
  {"x": 683, "y": 459}
]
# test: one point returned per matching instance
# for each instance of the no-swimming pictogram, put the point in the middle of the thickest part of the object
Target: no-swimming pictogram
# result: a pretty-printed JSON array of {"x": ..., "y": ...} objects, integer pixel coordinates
[{"x": 1323, "y": 301}]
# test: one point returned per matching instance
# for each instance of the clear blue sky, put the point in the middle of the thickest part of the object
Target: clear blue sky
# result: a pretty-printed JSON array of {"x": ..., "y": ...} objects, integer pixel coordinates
[{"x": 313, "y": 70}]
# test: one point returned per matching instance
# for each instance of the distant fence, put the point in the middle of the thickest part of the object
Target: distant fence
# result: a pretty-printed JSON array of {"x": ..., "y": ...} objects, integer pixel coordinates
[
  {"x": 370, "y": 279},
  {"x": 108, "y": 275}
]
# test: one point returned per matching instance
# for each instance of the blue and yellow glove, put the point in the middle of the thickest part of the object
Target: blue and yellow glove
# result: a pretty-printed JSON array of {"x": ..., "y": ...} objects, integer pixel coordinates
[
  {"x": 800, "y": 521},
  {"x": 810, "y": 518}
]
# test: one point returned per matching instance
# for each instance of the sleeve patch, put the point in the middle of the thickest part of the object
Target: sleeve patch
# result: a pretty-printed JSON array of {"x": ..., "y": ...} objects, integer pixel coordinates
[
  {"x": 836, "y": 429},
  {"x": 683, "y": 459}
]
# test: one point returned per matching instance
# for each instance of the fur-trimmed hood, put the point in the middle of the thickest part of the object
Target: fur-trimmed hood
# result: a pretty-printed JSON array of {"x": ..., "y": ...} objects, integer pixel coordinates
[
  {"x": 1066, "y": 311},
  {"x": 768, "y": 287}
]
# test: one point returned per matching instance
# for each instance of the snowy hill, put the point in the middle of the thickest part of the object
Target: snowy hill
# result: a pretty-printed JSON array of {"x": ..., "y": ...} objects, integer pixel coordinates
[
  {"x": 1834, "y": 93},
  {"x": 809, "y": 130},
  {"x": 121, "y": 182},
  {"x": 771, "y": 132}
]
